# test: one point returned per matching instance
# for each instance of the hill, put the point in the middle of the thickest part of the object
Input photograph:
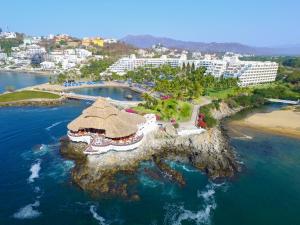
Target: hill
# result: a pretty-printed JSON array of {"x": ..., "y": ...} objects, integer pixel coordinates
[{"x": 146, "y": 41}]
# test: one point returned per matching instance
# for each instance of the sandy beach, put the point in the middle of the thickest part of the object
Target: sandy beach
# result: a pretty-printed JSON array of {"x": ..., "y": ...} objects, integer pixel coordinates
[{"x": 283, "y": 122}]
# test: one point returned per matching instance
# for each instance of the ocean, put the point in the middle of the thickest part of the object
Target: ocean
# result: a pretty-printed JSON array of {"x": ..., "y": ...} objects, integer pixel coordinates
[
  {"x": 18, "y": 80},
  {"x": 36, "y": 187}
]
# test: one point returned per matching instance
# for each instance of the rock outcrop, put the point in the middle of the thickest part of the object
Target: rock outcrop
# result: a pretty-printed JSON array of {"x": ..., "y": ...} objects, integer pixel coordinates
[{"x": 102, "y": 174}]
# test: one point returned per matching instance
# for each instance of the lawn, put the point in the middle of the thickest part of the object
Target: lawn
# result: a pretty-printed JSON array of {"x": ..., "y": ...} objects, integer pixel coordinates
[
  {"x": 169, "y": 109},
  {"x": 221, "y": 94},
  {"x": 24, "y": 95}
]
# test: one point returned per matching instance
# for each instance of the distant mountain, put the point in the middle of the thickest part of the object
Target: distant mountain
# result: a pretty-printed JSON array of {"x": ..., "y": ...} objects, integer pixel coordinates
[{"x": 146, "y": 41}]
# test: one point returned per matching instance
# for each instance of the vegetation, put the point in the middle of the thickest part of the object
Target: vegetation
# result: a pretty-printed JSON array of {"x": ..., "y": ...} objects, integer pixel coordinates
[
  {"x": 285, "y": 61},
  {"x": 185, "y": 83},
  {"x": 25, "y": 95},
  {"x": 7, "y": 44},
  {"x": 94, "y": 68},
  {"x": 209, "y": 120},
  {"x": 89, "y": 72},
  {"x": 114, "y": 50},
  {"x": 225, "y": 93},
  {"x": 280, "y": 91},
  {"x": 166, "y": 110},
  {"x": 253, "y": 100},
  {"x": 289, "y": 70}
]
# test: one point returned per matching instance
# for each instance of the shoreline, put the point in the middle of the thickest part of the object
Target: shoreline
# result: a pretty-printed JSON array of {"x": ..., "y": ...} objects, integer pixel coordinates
[
  {"x": 270, "y": 130},
  {"x": 60, "y": 88},
  {"x": 34, "y": 102},
  {"x": 41, "y": 73},
  {"x": 209, "y": 152},
  {"x": 279, "y": 122}
]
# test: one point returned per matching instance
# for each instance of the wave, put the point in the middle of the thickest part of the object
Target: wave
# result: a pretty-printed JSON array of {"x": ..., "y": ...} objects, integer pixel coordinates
[
  {"x": 241, "y": 136},
  {"x": 59, "y": 169},
  {"x": 182, "y": 166},
  {"x": 35, "y": 169},
  {"x": 28, "y": 211},
  {"x": 170, "y": 191},
  {"x": 176, "y": 214},
  {"x": 55, "y": 124},
  {"x": 96, "y": 216},
  {"x": 146, "y": 181},
  {"x": 37, "y": 189}
]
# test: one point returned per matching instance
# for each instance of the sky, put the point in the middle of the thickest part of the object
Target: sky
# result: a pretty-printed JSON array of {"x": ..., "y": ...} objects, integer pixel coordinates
[{"x": 253, "y": 22}]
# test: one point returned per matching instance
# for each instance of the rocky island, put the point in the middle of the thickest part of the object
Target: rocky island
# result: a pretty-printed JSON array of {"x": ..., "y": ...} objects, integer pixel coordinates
[{"x": 209, "y": 152}]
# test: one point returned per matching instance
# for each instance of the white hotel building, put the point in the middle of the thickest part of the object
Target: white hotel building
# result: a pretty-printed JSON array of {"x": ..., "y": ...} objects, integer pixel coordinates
[{"x": 248, "y": 72}]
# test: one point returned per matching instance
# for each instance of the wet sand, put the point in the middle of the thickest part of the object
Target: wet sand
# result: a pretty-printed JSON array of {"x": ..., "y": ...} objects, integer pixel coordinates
[{"x": 282, "y": 122}]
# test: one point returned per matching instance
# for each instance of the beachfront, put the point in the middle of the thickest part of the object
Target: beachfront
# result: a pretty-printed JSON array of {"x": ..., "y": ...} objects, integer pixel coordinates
[{"x": 285, "y": 122}]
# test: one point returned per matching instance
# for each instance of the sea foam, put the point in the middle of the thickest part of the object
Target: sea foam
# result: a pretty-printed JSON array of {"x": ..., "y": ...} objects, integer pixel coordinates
[
  {"x": 176, "y": 214},
  {"x": 35, "y": 169},
  {"x": 28, "y": 211},
  {"x": 96, "y": 216},
  {"x": 55, "y": 124},
  {"x": 182, "y": 166}
]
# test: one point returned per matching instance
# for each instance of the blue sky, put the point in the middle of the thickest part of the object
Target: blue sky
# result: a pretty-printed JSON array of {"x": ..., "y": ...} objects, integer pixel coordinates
[{"x": 253, "y": 22}]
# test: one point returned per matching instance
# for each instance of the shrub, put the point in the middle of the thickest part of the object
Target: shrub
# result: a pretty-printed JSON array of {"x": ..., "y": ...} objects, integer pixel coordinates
[
  {"x": 208, "y": 119},
  {"x": 176, "y": 125},
  {"x": 243, "y": 100},
  {"x": 216, "y": 104},
  {"x": 231, "y": 103},
  {"x": 202, "y": 124}
]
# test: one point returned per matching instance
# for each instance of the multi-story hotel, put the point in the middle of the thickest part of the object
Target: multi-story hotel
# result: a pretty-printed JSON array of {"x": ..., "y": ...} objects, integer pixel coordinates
[
  {"x": 130, "y": 63},
  {"x": 248, "y": 72},
  {"x": 251, "y": 72}
]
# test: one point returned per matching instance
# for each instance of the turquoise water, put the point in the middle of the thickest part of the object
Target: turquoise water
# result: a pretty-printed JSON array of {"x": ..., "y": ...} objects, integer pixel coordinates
[
  {"x": 20, "y": 80},
  {"x": 35, "y": 185},
  {"x": 116, "y": 93}
]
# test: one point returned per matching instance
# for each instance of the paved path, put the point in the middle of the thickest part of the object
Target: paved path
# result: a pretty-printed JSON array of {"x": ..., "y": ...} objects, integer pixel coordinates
[
  {"x": 191, "y": 124},
  {"x": 94, "y": 98}
]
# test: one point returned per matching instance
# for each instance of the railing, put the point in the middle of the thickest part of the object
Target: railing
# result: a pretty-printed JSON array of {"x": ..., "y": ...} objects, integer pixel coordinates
[
  {"x": 106, "y": 143},
  {"x": 113, "y": 143}
]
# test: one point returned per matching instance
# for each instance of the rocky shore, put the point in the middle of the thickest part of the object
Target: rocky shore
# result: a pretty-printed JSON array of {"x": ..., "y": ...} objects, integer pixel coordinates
[{"x": 104, "y": 174}]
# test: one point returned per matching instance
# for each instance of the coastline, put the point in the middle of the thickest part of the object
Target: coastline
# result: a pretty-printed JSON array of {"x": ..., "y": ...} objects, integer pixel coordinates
[
  {"x": 34, "y": 102},
  {"x": 41, "y": 73},
  {"x": 209, "y": 152},
  {"x": 278, "y": 122},
  {"x": 61, "y": 88},
  {"x": 271, "y": 130}
]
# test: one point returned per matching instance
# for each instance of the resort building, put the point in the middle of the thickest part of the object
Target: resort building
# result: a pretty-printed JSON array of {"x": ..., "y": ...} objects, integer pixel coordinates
[
  {"x": 248, "y": 72},
  {"x": 62, "y": 38},
  {"x": 110, "y": 40},
  {"x": 104, "y": 127},
  {"x": 131, "y": 63},
  {"x": 47, "y": 65},
  {"x": 251, "y": 72},
  {"x": 93, "y": 41},
  {"x": 214, "y": 66}
]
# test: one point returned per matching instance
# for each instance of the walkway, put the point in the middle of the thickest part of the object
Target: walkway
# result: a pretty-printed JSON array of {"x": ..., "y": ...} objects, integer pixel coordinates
[
  {"x": 191, "y": 124},
  {"x": 284, "y": 101},
  {"x": 94, "y": 98}
]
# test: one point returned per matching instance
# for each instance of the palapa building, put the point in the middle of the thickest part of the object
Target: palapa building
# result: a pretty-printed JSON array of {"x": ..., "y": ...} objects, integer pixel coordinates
[{"x": 104, "y": 127}]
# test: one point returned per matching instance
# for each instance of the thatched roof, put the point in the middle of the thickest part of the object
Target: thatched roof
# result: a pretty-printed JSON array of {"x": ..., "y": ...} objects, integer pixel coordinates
[{"x": 104, "y": 116}]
